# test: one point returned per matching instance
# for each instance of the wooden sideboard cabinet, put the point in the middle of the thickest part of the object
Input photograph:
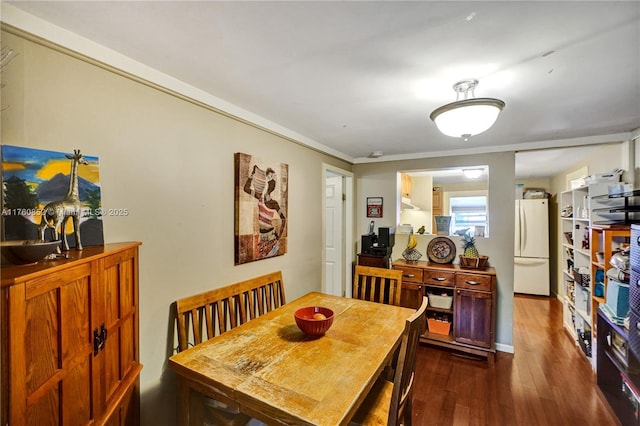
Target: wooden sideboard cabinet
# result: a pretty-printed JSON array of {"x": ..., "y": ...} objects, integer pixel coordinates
[
  {"x": 472, "y": 295},
  {"x": 374, "y": 260},
  {"x": 70, "y": 351}
]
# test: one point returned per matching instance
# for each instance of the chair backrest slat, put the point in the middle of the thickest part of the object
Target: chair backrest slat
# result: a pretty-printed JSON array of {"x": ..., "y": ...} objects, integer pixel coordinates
[
  {"x": 377, "y": 285},
  {"x": 205, "y": 315},
  {"x": 406, "y": 366}
]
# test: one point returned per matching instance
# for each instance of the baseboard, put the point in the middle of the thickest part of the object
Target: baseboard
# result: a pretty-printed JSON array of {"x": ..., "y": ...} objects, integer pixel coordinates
[{"x": 504, "y": 348}]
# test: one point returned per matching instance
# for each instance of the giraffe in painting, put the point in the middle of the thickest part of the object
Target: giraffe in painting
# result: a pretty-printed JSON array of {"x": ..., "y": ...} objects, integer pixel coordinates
[{"x": 56, "y": 214}]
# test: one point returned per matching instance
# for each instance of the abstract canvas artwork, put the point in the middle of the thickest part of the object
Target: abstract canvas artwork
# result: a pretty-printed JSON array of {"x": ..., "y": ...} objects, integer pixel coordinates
[
  {"x": 33, "y": 179},
  {"x": 261, "y": 203}
]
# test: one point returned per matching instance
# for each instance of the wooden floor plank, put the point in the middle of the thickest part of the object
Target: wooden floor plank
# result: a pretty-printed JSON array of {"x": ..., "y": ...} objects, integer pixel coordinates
[{"x": 548, "y": 381}]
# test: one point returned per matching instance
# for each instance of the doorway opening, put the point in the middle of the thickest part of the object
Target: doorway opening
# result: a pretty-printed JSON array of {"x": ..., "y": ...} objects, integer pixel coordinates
[{"x": 337, "y": 230}]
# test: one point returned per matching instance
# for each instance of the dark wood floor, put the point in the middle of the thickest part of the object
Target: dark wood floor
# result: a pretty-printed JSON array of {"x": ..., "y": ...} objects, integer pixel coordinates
[{"x": 546, "y": 382}]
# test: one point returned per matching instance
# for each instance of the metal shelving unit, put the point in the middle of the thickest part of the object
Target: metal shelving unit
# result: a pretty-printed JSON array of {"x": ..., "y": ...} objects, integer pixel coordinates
[{"x": 616, "y": 209}]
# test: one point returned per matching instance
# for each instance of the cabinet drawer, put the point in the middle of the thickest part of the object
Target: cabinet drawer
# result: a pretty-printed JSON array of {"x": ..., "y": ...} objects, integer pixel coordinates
[
  {"x": 474, "y": 281},
  {"x": 411, "y": 275},
  {"x": 443, "y": 278}
]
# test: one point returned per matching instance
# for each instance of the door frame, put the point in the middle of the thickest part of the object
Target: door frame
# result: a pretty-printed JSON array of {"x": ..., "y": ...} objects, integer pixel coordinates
[{"x": 347, "y": 228}]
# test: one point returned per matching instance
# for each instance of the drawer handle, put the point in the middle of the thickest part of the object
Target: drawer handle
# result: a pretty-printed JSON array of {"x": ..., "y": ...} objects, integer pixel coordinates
[
  {"x": 438, "y": 279},
  {"x": 409, "y": 275},
  {"x": 472, "y": 282},
  {"x": 638, "y": 240}
]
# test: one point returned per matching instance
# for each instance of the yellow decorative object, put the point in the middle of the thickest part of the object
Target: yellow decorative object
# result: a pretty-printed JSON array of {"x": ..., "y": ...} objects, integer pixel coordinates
[{"x": 413, "y": 242}]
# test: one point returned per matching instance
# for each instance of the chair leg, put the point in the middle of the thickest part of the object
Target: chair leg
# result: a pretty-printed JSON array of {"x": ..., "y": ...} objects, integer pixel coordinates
[
  {"x": 407, "y": 413},
  {"x": 390, "y": 369}
]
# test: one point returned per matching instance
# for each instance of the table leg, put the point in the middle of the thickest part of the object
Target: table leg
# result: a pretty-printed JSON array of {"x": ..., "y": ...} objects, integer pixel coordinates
[{"x": 183, "y": 402}]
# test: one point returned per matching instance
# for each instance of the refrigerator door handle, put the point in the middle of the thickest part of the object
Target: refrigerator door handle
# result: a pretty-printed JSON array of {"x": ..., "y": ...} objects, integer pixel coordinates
[
  {"x": 523, "y": 230},
  {"x": 516, "y": 245},
  {"x": 529, "y": 260}
]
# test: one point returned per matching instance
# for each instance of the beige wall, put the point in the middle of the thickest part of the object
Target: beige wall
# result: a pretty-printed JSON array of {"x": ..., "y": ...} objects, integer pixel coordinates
[
  {"x": 380, "y": 180},
  {"x": 170, "y": 163}
]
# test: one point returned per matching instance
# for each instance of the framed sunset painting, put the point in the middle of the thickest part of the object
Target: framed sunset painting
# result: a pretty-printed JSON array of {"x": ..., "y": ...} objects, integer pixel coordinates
[{"x": 32, "y": 179}]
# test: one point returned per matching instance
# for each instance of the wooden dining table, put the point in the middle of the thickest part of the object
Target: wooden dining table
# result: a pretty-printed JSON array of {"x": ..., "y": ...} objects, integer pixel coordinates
[{"x": 268, "y": 369}]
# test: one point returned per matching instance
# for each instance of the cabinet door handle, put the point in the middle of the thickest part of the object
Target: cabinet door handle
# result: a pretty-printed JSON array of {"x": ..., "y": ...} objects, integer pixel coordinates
[
  {"x": 408, "y": 275},
  {"x": 103, "y": 333},
  {"x": 638, "y": 240},
  {"x": 99, "y": 339},
  {"x": 638, "y": 283},
  {"x": 638, "y": 326},
  {"x": 98, "y": 342},
  {"x": 472, "y": 282},
  {"x": 438, "y": 279}
]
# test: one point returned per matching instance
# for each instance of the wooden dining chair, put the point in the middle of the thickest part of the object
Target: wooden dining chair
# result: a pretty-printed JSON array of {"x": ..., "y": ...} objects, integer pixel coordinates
[
  {"x": 203, "y": 316},
  {"x": 389, "y": 403},
  {"x": 377, "y": 285}
]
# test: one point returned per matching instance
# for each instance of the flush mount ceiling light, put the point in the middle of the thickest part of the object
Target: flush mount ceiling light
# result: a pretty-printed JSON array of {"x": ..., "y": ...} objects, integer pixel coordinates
[
  {"x": 468, "y": 116},
  {"x": 472, "y": 173}
]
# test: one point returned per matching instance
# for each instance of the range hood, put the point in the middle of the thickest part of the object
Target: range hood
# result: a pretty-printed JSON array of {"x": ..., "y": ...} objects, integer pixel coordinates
[{"x": 407, "y": 205}]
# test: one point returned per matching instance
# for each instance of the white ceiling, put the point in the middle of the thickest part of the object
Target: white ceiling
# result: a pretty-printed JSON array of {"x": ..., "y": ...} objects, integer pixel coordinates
[{"x": 358, "y": 77}]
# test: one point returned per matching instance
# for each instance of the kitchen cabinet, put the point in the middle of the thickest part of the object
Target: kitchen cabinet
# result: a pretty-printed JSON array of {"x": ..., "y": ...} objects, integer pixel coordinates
[
  {"x": 474, "y": 297},
  {"x": 471, "y": 313},
  {"x": 405, "y": 185},
  {"x": 436, "y": 207},
  {"x": 412, "y": 286},
  {"x": 436, "y": 202},
  {"x": 70, "y": 347}
]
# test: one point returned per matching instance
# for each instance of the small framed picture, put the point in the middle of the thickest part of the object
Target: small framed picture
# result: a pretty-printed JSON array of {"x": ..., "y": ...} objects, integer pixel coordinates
[
  {"x": 374, "y": 206},
  {"x": 479, "y": 231}
]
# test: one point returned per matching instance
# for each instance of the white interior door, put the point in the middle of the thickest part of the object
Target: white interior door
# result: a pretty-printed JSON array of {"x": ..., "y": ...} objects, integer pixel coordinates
[{"x": 333, "y": 235}]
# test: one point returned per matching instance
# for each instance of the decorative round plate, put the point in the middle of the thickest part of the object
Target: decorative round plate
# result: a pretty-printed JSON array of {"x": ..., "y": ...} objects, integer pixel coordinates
[{"x": 441, "y": 250}]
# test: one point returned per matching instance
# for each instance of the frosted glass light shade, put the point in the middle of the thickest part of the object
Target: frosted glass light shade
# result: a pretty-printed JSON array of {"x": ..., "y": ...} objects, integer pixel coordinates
[
  {"x": 467, "y": 117},
  {"x": 472, "y": 173}
]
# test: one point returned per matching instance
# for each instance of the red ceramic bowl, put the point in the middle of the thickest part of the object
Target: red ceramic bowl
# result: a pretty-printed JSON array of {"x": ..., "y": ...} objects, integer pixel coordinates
[{"x": 310, "y": 325}]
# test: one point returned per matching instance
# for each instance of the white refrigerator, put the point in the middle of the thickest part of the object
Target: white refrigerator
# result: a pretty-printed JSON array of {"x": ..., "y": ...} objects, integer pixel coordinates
[{"x": 531, "y": 256}]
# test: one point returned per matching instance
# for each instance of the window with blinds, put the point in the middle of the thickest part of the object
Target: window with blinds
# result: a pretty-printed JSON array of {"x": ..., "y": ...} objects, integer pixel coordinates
[{"x": 469, "y": 214}]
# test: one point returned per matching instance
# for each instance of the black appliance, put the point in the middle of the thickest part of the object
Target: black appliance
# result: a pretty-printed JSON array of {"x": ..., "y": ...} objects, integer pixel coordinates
[
  {"x": 367, "y": 243},
  {"x": 386, "y": 236}
]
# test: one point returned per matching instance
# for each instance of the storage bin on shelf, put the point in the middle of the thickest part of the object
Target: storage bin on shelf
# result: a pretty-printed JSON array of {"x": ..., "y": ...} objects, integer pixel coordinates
[
  {"x": 582, "y": 279},
  {"x": 440, "y": 301},
  {"x": 571, "y": 292},
  {"x": 617, "y": 299},
  {"x": 584, "y": 340},
  {"x": 439, "y": 326},
  {"x": 583, "y": 301}
]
